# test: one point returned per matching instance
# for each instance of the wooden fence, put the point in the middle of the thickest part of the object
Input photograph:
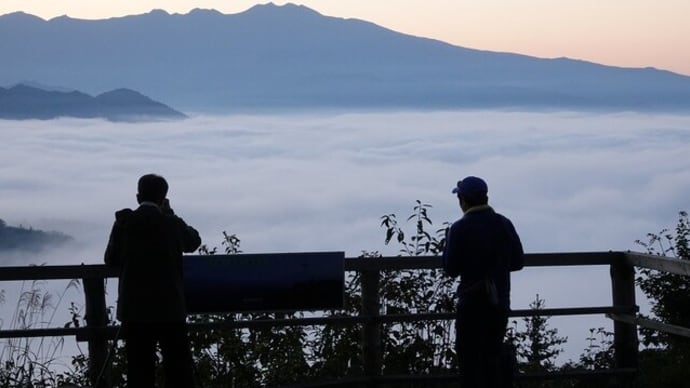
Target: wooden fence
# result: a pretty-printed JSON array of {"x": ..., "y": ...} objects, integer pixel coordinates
[{"x": 623, "y": 310}]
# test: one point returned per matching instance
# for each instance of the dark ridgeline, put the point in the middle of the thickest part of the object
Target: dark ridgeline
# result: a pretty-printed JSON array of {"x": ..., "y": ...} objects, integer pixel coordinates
[
  {"x": 13, "y": 238},
  {"x": 291, "y": 57},
  {"x": 29, "y": 102}
]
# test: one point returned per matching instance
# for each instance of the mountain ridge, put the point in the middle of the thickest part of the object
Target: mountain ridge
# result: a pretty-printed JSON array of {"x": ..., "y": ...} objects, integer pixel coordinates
[
  {"x": 23, "y": 102},
  {"x": 291, "y": 56},
  {"x": 19, "y": 238}
]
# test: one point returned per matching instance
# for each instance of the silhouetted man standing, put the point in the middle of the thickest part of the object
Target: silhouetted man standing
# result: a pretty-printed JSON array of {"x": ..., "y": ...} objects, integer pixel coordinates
[
  {"x": 482, "y": 247},
  {"x": 146, "y": 244}
]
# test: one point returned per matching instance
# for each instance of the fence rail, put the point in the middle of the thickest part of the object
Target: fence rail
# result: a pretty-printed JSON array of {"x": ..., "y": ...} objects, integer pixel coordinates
[{"x": 623, "y": 309}]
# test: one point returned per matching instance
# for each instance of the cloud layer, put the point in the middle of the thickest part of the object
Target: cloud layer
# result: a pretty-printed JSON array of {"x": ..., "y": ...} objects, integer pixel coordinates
[
  {"x": 570, "y": 181},
  {"x": 291, "y": 183}
]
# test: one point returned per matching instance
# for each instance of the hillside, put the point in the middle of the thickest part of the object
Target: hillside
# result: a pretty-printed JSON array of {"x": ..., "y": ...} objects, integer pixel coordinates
[
  {"x": 292, "y": 57},
  {"x": 28, "y": 239},
  {"x": 29, "y": 102}
]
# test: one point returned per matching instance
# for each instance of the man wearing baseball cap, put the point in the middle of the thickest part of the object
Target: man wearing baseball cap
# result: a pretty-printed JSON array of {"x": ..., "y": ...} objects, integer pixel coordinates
[{"x": 482, "y": 248}]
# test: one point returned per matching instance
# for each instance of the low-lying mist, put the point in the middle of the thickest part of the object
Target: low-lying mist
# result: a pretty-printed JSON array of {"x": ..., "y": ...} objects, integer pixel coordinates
[
  {"x": 569, "y": 181},
  {"x": 290, "y": 183}
]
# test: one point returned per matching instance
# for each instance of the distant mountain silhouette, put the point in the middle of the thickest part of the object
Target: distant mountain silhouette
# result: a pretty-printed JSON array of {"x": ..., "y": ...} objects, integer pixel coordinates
[
  {"x": 39, "y": 85},
  {"x": 13, "y": 238},
  {"x": 28, "y": 102},
  {"x": 292, "y": 57}
]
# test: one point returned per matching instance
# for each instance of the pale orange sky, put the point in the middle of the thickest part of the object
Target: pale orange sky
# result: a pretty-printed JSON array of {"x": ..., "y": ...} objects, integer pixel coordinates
[{"x": 631, "y": 33}]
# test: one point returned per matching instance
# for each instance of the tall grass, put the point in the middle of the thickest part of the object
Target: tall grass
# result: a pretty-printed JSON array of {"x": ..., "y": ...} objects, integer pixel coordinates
[{"x": 36, "y": 361}]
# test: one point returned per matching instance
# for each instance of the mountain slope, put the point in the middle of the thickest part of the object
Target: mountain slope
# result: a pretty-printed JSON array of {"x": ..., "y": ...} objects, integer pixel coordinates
[
  {"x": 27, "y": 102},
  {"x": 14, "y": 238},
  {"x": 293, "y": 57}
]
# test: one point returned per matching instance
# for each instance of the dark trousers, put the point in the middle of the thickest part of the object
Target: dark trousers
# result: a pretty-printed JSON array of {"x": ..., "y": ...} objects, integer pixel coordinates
[
  {"x": 140, "y": 348},
  {"x": 479, "y": 333}
]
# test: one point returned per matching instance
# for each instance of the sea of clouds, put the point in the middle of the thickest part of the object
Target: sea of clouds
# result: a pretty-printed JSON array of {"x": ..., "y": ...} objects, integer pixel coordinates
[{"x": 570, "y": 182}]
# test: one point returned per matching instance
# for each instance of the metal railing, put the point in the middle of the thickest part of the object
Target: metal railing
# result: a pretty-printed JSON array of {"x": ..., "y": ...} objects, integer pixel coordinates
[{"x": 623, "y": 309}]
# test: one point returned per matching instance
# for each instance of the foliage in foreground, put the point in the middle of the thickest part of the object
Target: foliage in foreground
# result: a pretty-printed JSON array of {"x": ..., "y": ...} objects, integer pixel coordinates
[
  {"x": 31, "y": 362},
  {"x": 665, "y": 358}
]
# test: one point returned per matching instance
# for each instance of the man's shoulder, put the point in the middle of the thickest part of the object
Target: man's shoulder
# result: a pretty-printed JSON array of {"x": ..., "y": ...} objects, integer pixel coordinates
[
  {"x": 477, "y": 215},
  {"x": 458, "y": 223},
  {"x": 143, "y": 214},
  {"x": 481, "y": 217},
  {"x": 123, "y": 214},
  {"x": 460, "y": 226},
  {"x": 504, "y": 219},
  {"x": 500, "y": 216}
]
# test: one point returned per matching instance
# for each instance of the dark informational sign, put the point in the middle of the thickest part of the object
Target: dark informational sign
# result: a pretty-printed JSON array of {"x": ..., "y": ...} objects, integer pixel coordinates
[{"x": 255, "y": 282}]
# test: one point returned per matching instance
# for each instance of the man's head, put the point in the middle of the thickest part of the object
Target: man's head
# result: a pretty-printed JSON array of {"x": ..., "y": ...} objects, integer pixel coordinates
[
  {"x": 471, "y": 191},
  {"x": 152, "y": 188}
]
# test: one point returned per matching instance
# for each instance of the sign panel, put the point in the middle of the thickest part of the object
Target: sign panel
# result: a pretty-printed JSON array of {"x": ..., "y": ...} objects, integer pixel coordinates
[{"x": 255, "y": 282}]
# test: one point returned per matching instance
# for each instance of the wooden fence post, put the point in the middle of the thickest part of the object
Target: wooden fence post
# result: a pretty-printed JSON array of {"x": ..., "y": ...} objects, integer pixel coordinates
[
  {"x": 625, "y": 342},
  {"x": 371, "y": 330},
  {"x": 97, "y": 318}
]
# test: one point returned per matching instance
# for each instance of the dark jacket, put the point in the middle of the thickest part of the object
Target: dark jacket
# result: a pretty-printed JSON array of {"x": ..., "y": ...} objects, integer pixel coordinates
[
  {"x": 482, "y": 245},
  {"x": 147, "y": 246}
]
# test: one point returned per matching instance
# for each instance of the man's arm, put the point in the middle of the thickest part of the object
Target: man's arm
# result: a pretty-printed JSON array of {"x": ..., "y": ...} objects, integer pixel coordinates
[
  {"x": 113, "y": 252},
  {"x": 449, "y": 260},
  {"x": 189, "y": 237},
  {"x": 517, "y": 256}
]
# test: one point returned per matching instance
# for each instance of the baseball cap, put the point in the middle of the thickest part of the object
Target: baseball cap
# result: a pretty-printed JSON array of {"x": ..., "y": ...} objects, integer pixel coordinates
[{"x": 471, "y": 186}]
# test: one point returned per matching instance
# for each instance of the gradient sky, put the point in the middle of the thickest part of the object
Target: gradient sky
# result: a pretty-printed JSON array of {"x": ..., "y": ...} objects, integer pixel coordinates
[{"x": 634, "y": 33}]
